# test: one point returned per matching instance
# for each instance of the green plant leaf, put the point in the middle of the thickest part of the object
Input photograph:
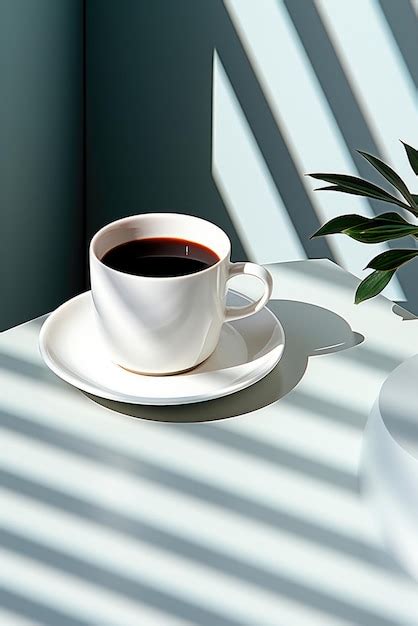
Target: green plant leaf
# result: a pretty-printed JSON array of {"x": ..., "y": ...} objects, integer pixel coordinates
[
  {"x": 381, "y": 228},
  {"x": 392, "y": 259},
  {"x": 380, "y": 232},
  {"x": 412, "y": 155},
  {"x": 353, "y": 184},
  {"x": 340, "y": 223},
  {"x": 372, "y": 285},
  {"x": 392, "y": 217},
  {"x": 415, "y": 198},
  {"x": 358, "y": 187},
  {"x": 390, "y": 175},
  {"x": 343, "y": 223}
]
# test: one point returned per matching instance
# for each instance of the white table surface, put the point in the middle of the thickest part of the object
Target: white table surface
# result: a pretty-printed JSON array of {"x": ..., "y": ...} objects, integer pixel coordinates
[{"x": 252, "y": 515}]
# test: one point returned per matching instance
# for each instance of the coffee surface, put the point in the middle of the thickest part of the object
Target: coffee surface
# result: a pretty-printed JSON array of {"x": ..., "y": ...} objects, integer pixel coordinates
[{"x": 160, "y": 257}]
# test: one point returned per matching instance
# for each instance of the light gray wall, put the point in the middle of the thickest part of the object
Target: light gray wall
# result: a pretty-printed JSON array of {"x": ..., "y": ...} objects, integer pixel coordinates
[
  {"x": 149, "y": 101},
  {"x": 41, "y": 156}
]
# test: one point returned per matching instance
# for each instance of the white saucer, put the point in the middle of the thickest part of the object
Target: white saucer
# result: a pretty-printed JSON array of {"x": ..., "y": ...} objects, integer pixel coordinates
[{"x": 72, "y": 347}]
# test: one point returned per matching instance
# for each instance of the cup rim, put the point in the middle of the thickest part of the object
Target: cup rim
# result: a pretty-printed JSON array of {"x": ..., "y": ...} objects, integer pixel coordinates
[{"x": 129, "y": 218}]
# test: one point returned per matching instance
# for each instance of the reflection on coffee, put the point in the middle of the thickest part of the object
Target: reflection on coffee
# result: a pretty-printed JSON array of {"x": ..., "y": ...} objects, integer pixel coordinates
[{"x": 160, "y": 257}]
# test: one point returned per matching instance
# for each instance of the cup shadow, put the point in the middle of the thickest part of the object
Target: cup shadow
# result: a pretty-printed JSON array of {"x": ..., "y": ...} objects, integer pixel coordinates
[{"x": 326, "y": 333}]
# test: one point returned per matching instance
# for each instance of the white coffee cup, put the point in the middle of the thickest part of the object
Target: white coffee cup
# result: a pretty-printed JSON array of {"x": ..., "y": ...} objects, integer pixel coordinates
[{"x": 164, "y": 325}]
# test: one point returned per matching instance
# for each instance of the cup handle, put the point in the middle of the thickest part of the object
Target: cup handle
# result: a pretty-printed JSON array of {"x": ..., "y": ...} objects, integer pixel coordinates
[{"x": 238, "y": 312}]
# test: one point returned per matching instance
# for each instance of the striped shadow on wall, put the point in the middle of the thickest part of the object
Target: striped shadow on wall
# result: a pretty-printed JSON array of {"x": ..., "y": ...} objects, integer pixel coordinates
[{"x": 326, "y": 78}]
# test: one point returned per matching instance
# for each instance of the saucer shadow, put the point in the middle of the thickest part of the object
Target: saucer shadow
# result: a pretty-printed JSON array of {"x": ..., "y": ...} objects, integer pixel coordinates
[{"x": 309, "y": 330}]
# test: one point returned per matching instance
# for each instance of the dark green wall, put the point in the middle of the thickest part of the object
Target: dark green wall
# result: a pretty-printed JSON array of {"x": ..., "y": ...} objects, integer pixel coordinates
[
  {"x": 41, "y": 156},
  {"x": 149, "y": 80}
]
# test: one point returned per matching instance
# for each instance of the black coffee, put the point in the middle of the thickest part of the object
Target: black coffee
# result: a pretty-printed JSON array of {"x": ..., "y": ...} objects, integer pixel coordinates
[{"x": 160, "y": 256}]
